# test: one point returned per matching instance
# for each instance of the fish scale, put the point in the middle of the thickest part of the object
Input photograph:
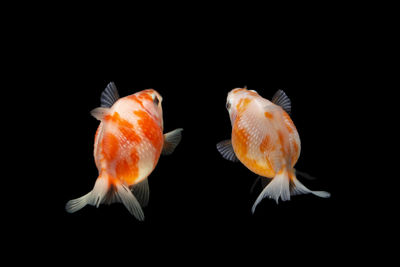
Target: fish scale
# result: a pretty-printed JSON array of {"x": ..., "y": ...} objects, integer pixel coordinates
[
  {"x": 265, "y": 140},
  {"x": 128, "y": 144}
]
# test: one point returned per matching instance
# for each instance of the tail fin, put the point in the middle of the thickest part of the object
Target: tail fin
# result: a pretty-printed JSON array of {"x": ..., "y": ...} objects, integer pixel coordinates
[
  {"x": 282, "y": 186},
  {"x": 299, "y": 189},
  {"x": 106, "y": 192}
]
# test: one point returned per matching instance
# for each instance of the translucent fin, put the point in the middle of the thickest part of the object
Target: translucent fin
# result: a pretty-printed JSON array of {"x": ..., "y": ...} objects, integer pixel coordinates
[
  {"x": 76, "y": 204},
  {"x": 128, "y": 199},
  {"x": 142, "y": 192},
  {"x": 99, "y": 113},
  {"x": 94, "y": 197},
  {"x": 281, "y": 99},
  {"x": 226, "y": 150},
  {"x": 278, "y": 187},
  {"x": 305, "y": 175},
  {"x": 264, "y": 182},
  {"x": 171, "y": 140},
  {"x": 103, "y": 193},
  {"x": 254, "y": 184},
  {"x": 109, "y": 96},
  {"x": 298, "y": 188}
]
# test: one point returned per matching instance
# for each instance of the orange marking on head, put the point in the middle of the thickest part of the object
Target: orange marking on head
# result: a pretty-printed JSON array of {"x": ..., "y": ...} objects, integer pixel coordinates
[
  {"x": 268, "y": 115},
  {"x": 110, "y": 146},
  {"x": 135, "y": 98},
  {"x": 242, "y": 104},
  {"x": 238, "y": 90},
  {"x": 252, "y": 93},
  {"x": 265, "y": 143},
  {"x": 150, "y": 129},
  {"x": 145, "y": 95}
]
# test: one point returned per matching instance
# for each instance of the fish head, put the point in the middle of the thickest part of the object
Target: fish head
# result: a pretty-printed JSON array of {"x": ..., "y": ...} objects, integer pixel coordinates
[
  {"x": 237, "y": 101},
  {"x": 151, "y": 102}
]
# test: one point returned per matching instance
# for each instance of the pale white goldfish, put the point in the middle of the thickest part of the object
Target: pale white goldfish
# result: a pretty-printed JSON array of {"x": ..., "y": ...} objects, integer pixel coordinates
[
  {"x": 127, "y": 146},
  {"x": 266, "y": 141}
]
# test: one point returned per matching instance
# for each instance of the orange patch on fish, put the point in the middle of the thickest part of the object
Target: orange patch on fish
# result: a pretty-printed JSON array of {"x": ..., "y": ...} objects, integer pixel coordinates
[
  {"x": 263, "y": 168},
  {"x": 265, "y": 143},
  {"x": 128, "y": 170},
  {"x": 240, "y": 140},
  {"x": 125, "y": 127},
  {"x": 145, "y": 95},
  {"x": 110, "y": 146},
  {"x": 281, "y": 141},
  {"x": 296, "y": 147},
  {"x": 135, "y": 98},
  {"x": 242, "y": 104},
  {"x": 252, "y": 93},
  {"x": 238, "y": 90},
  {"x": 268, "y": 115},
  {"x": 150, "y": 129},
  {"x": 289, "y": 123},
  {"x": 127, "y": 130},
  {"x": 296, "y": 152}
]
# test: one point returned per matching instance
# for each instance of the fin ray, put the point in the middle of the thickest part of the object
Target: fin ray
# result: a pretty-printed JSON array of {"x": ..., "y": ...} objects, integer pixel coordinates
[
  {"x": 103, "y": 193},
  {"x": 278, "y": 187},
  {"x": 299, "y": 189},
  {"x": 281, "y": 99},
  {"x": 264, "y": 182},
  {"x": 109, "y": 96},
  {"x": 171, "y": 141},
  {"x": 142, "y": 192},
  {"x": 226, "y": 149}
]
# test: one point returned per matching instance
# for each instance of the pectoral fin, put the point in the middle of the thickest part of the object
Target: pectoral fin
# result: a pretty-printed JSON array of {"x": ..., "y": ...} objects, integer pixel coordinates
[
  {"x": 226, "y": 150},
  {"x": 99, "y": 113},
  {"x": 171, "y": 140}
]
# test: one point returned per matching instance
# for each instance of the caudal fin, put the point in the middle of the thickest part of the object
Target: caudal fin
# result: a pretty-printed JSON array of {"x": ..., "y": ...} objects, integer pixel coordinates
[
  {"x": 104, "y": 193},
  {"x": 298, "y": 188},
  {"x": 278, "y": 187},
  {"x": 283, "y": 187}
]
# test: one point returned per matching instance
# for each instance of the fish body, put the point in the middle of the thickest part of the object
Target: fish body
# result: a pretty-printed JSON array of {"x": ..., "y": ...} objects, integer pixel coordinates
[
  {"x": 128, "y": 144},
  {"x": 265, "y": 139}
]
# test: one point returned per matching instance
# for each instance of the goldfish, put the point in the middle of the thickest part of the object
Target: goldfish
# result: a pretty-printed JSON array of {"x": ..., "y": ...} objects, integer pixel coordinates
[
  {"x": 127, "y": 146},
  {"x": 265, "y": 140}
]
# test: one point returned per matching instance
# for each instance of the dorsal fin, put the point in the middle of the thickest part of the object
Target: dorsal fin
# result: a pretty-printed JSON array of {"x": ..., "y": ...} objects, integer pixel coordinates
[
  {"x": 109, "y": 96},
  {"x": 281, "y": 99}
]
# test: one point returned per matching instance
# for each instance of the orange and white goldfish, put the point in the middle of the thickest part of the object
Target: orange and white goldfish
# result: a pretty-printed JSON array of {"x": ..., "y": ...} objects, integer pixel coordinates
[
  {"x": 127, "y": 146},
  {"x": 266, "y": 141}
]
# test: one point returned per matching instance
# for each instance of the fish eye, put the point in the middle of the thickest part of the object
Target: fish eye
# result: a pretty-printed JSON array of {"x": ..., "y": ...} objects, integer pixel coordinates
[
  {"x": 228, "y": 105},
  {"x": 156, "y": 100}
]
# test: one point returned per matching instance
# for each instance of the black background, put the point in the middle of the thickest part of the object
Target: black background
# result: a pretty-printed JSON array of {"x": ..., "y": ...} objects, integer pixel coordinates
[
  {"x": 200, "y": 204},
  {"x": 195, "y": 193}
]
